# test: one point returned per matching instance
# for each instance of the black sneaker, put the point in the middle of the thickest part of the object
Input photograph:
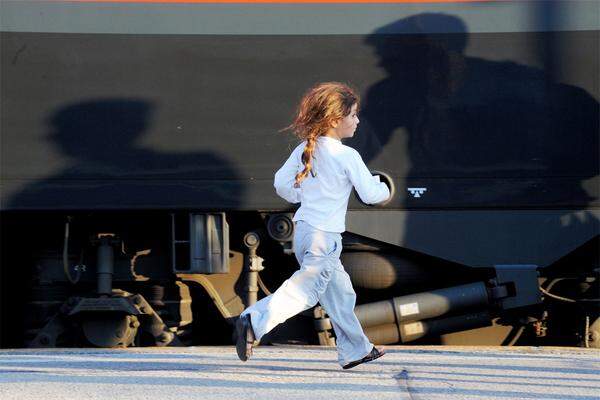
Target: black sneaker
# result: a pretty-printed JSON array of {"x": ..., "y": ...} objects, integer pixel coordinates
[
  {"x": 373, "y": 355},
  {"x": 245, "y": 337}
]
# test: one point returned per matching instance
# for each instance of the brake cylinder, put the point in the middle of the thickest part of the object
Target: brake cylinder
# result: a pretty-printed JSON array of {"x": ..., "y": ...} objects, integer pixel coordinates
[{"x": 424, "y": 305}]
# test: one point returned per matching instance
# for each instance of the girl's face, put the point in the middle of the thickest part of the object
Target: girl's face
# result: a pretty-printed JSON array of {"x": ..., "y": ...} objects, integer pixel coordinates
[{"x": 346, "y": 126}]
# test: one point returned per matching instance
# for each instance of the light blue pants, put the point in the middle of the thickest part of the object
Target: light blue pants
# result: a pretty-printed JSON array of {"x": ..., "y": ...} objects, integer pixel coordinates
[{"x": 321, "y": 278}]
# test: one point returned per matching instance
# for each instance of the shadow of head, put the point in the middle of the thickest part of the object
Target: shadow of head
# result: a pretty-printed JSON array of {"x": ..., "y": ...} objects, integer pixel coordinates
[
  {"x": 410, "y": 40},
  {"x": 99, "y": 128}
]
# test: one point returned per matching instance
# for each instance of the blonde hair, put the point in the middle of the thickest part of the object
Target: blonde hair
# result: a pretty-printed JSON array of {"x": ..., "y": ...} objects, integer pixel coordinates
[{"x": 321, "y": 106}]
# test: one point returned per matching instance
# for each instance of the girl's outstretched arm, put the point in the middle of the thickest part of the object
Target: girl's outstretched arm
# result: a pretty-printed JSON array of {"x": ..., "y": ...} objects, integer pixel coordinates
[
  {"x": 285, "y": 178},
  {"x": 369, "y": 188}
]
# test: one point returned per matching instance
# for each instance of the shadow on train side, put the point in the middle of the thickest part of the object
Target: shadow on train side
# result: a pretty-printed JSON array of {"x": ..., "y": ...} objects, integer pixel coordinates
[
  {"x": 100, "y": 137},
  {"x": 108, "y": 177},
  {"x": 507, "y": 155},
  {"x": 483, "y": 136}
]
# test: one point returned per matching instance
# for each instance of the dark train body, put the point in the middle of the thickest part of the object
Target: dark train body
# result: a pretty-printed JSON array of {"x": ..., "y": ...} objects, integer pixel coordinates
[{"x": 139, "y": 142}]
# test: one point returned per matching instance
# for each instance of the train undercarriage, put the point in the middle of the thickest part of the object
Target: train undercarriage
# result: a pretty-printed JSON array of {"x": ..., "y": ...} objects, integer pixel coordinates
[{"x": 164, "y": 278}]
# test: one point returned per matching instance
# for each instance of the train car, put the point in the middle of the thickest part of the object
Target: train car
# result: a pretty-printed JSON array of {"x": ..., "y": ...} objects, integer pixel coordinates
[{"x": 139, "y": 140}]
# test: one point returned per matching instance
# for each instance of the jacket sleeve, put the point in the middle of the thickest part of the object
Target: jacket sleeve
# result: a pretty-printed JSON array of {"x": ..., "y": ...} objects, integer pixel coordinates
[
  {"x": 285, "y": 178},
  {"x": 369, "y": 188}
]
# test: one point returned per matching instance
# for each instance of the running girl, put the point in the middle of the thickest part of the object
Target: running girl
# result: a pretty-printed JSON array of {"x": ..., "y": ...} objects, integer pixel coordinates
[{"x": 319, "y": 174}]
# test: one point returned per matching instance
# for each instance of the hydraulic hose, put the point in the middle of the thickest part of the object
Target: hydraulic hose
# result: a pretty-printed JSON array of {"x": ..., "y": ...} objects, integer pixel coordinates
[{"x": 66, "y": 255}]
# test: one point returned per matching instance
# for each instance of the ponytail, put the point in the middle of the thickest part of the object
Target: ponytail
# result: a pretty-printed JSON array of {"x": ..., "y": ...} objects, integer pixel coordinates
[{"x": 307, "y": 157}]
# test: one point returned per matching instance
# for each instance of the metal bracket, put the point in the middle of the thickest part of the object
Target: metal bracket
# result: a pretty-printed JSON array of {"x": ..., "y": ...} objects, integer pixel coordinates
[{"x": 521, "y": 284}]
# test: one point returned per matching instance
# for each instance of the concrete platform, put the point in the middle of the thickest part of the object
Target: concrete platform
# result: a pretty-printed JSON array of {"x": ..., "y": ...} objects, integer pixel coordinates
[{"x": 299, "y": 372}]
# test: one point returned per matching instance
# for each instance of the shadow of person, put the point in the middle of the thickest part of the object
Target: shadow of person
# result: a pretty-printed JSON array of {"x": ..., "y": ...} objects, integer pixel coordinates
[
  {"x": 107, "y": 168},
  {"x": 121, "y": 185},
  {"x": 482, "y": 135}
]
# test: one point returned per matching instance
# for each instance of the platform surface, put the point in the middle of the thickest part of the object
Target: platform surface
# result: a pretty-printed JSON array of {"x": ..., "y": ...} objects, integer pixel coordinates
[{"x": 300, "y": 372}]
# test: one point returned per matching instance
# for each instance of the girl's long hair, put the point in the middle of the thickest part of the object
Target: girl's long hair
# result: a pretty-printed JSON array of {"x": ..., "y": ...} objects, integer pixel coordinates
[{"x": 321, "y": 106}]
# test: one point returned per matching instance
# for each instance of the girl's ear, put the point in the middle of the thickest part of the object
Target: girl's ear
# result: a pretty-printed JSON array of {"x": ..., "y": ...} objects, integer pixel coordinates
[{"x": 334, "y": 124}]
